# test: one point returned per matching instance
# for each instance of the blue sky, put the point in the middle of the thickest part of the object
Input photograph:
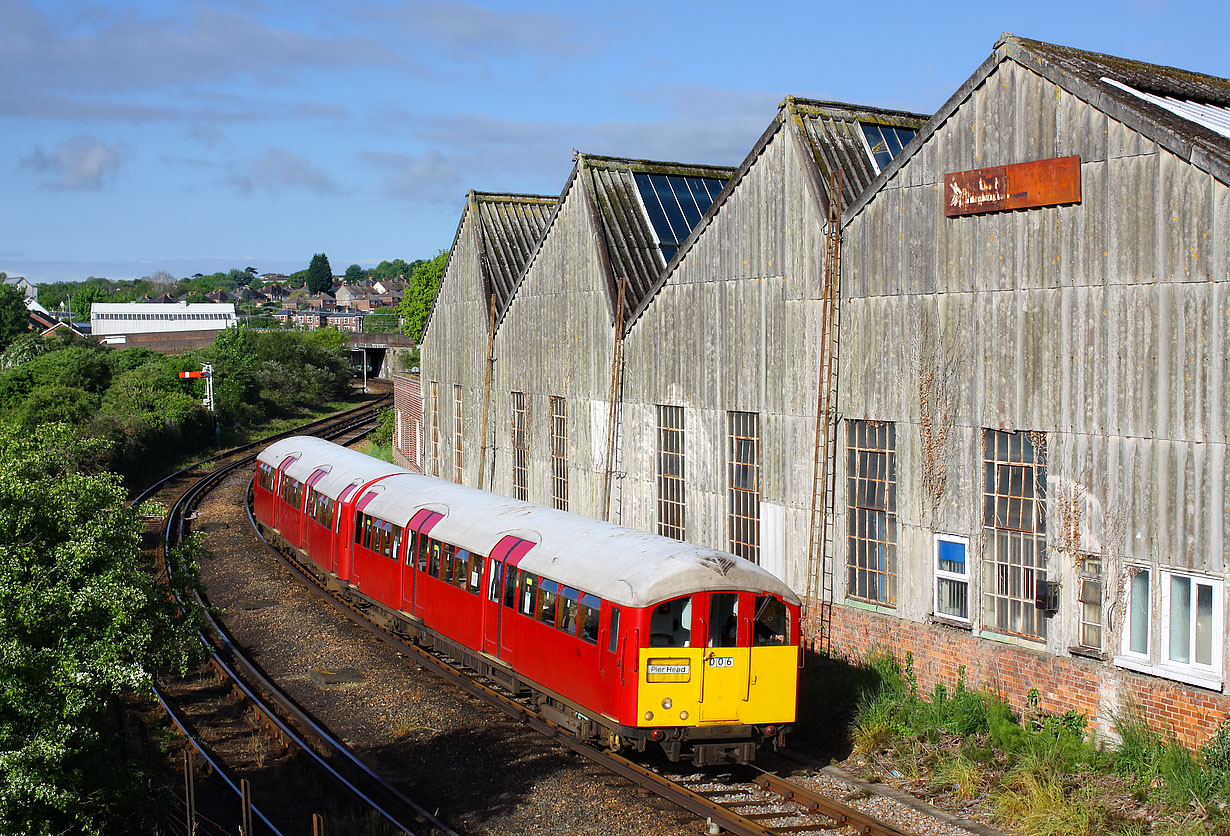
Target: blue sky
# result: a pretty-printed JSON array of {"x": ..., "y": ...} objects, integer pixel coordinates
[{"x": 146, "y": 136}]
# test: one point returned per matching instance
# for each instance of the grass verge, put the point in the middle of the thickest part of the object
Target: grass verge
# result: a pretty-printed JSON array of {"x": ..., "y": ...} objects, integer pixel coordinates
[{"x": 1035, "y": 773}]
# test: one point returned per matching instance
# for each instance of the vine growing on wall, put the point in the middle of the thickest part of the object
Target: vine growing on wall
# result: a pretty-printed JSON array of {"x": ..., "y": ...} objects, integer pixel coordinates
[{"x": 936, "y": 375}]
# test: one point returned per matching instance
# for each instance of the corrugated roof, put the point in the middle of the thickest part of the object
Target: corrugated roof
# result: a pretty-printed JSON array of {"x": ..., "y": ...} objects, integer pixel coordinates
[
  {"x": 510, "y": 228},
  {"x": 1103, "y": 81},
  {"x": 834, "y": 135},
  {"x": 634, "y": 248}
]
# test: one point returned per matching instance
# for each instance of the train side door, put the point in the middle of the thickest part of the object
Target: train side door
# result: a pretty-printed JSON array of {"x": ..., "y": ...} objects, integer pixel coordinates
[
  {"x": 345, "y": 534},
  {"x": 610, "y": 649},
  {"x": 493, "y": 594},
  {"x": 509, "y": 550},
  {"x": 416, "y": 555}
]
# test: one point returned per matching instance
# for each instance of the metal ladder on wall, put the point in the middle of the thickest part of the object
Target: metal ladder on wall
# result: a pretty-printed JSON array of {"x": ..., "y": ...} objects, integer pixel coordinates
[
  {"x": 818, "y": 627},
  {"x": 615, "y": 413},
  {"x": 482, "y": 440}
]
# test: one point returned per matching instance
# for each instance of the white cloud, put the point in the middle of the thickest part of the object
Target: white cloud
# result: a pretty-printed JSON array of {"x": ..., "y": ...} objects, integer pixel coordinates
[
  {"x": 278, "y": 169},
  {"x": 430, "y": 177},
  {"x": 81, "y": 163}
]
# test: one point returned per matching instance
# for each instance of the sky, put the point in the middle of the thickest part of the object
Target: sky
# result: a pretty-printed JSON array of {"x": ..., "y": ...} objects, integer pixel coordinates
[{"x": 138, "y": 137}]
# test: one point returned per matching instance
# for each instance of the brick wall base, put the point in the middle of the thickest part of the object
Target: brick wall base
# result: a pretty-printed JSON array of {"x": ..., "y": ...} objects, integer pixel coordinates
[{"x": 1095, "y": 688}]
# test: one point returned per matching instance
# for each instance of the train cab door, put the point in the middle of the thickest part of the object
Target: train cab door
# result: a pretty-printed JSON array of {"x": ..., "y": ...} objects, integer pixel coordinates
[
  {"x": 722, "y": 629},
  {"x": 343, "y": 554},
  {"x": 417, "y": 538}
]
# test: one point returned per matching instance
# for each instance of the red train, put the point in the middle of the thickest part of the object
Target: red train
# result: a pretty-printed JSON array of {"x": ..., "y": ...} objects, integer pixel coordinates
[{"x": 621, "y": 636}]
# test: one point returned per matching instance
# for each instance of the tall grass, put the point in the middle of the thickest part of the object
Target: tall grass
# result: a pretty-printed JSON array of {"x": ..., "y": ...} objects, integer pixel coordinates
[{"x": 1042, "y": 774}]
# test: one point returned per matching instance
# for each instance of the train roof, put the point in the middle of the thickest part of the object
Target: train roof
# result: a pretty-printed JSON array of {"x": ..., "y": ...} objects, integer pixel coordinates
[{"x": 624, "y": 565}]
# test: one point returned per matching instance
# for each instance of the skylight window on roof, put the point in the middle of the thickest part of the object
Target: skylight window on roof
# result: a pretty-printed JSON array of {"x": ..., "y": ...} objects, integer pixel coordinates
[
  {"x": 886, "y": 141},
  {"x": 1214, "y": 117},
  {"x": 675, "y": 205}
]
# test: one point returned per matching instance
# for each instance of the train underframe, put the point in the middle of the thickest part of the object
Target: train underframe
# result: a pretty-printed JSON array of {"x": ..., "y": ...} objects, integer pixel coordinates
[{"x": 701, "y": 745}]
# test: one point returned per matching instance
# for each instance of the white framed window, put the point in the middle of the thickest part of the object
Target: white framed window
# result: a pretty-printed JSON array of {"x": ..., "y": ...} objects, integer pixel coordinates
[
  {"x": 1191, "y": 623},
  {"x": 1190, "y": 636},
  {"x": 952, "y": 578},
  {"x": 1089, "y": 602},
  {"x": 1138, "y": 614}
]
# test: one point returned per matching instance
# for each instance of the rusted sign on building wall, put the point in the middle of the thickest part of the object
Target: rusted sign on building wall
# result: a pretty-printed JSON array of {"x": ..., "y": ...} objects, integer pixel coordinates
[{"x": 1018, "y": 186}]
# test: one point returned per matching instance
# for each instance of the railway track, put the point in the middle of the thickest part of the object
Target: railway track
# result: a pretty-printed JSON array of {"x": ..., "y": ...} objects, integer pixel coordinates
[
  {"x": 741, "y": 801},
  {"x": 380, "y": 805}
]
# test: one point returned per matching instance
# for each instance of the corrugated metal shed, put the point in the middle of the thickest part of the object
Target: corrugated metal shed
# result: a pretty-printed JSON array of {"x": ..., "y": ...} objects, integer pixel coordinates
[{"x": 510, "y": 228}]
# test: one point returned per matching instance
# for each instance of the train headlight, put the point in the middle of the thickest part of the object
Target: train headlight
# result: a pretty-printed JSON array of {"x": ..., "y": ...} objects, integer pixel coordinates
[
  {"x": 770, "y": 731},
  {"x": 667, "y": 703},
  {"x": 648, "y": 716},
  {"x": 683, "y": 715}
]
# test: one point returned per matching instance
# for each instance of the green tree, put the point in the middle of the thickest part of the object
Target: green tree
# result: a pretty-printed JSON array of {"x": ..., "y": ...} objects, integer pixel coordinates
[
  {"x": 83, "y": 300},
  {"x": 14, "y": 316},
  {"x": 320, "y": 274},
  {"x": 381, "y": 321},
  {"x": 355, "y": 273},
  {"x": 82, "y": 621},
  {"x": 416, "y": 305}
]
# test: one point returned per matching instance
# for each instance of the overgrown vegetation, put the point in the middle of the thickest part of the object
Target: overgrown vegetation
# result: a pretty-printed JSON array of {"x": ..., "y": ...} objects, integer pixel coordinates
[
  {"x": 134, "y": 398},
  {"x": 1040, "y": 774},
  {"x": 82, "y": 622}
]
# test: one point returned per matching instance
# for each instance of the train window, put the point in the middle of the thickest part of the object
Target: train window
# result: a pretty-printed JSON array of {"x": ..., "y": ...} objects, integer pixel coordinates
[
  {"x": 476, "y": 573},
  {"x": 548, "y": 594},
  {"x": 590, "y": 607},
  {"x": 396, "y": 546},
  {"x": 433, "y": 567},
  {"x": 510, "y": 587},
  {"x": 292, "y": 492},
  {"x": 265, "y": 476},
  {"x": 566, "y": 611},
  {"x": 386, "y": 539},
  {"x": 462, "y": 568},
  {"x": 614, "y": 640},
  {"x": 770, "y": 625},
  {"x": 493, "y": 581},
  {"x": 447, "y": 573},
  {"x": 422, "y": 549},
  {"x": 724, "y": 619},
  {"x": 671, "y": 623},
  {"x": 529, "y": 584}
]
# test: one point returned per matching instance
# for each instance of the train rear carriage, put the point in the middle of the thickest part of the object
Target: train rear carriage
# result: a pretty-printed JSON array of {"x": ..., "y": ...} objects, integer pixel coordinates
[
  {"x": 618, "y": 633},
  {"x": 306, "y": 493}
]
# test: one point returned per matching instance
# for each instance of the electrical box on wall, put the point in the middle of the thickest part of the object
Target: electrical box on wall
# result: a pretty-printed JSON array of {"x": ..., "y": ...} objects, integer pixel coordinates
[{"x": 1046, "y": 595}]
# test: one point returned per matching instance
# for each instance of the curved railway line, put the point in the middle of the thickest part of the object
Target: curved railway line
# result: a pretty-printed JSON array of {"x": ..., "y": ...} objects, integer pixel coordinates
[{"x": 744, "y": 801}]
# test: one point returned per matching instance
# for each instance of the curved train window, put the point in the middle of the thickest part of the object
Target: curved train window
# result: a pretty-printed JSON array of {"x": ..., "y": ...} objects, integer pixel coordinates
[
  {"x": 461, "y": 568},
  {"x": 770, "y": 627},
  {"x": 724, "y": 619},
  {"x": 671, "y": 623},
  {"x": 548, "y": 593},
  {"x": 264, "y": 476},
  {"x": 589, "y": 609},
  {"x": 395, "y": 546},
  {"x": 529, "y": 585}
]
